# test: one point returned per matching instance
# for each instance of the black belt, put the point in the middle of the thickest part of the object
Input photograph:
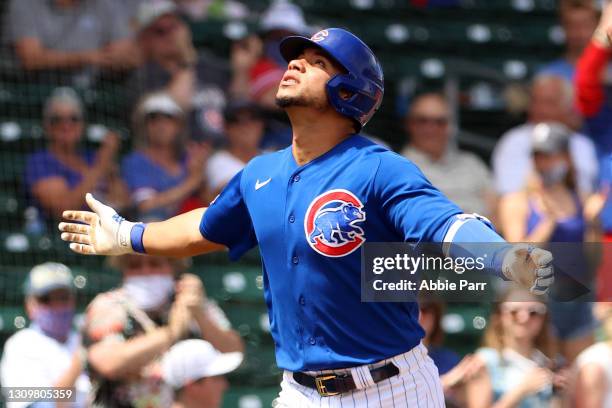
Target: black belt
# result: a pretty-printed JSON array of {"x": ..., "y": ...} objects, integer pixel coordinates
[{"x": 334, "y": 384}]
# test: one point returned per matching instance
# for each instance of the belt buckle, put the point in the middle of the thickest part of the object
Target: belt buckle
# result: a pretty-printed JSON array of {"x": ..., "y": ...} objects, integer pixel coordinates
[{"x": 321, "y": 388}]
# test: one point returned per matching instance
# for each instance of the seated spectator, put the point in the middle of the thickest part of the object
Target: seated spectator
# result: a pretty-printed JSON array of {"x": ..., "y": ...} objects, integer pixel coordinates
[
  {"x": 454, "y": 371},
  {"x": 550, "y": 209},
  {"x": 48, "y": 353},
  {"x": 69, "y": 35},
  {"x": 127, "y": 330},
  {"x": 163, "y": 172},
  {"x": 279, "y": 20},
  {"x": 194, "y": 369},
  {"x": 196, "y": 80},
  {"x": 517, "y": 354},
  {"x": 200, "y": 10},
  {"x": 593, "y": 388},
  {"x": 244, "y": 130},
  {"x": 578, "y": 20},
  {"x": 552, "y": 100},
  {"x": 59, "y": 176},
  {"x": 460, "y": 175},
  {"x": 265, "y": 77}
]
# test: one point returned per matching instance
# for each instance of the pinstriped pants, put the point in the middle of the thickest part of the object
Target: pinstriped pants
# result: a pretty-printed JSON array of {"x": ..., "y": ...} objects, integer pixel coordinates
[{"x": 416, "y": 385}]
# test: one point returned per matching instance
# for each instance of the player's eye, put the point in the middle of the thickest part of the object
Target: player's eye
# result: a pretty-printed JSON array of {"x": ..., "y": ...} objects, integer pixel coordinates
[{"x": 320, "y": 63}]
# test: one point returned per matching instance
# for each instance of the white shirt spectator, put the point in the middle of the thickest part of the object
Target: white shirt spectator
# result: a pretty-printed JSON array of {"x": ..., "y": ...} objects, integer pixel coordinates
[
  {"x": 33, "y": 359},
  {"x": 512, "y": 160},
  {"x": 220, "y": 169},
  {"x": 600, "y": 354}
]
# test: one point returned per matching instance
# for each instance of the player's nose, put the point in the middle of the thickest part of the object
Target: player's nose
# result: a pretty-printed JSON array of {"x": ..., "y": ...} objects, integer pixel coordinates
[{"x": 297, "y": 64}]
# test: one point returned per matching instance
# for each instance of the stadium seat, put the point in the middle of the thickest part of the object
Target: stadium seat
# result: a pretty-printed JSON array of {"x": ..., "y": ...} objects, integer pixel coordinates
[
  {"x": 259, "y": 367},
  {"x": 232, "y": 282},
  {"x": 250, "y": 321}
]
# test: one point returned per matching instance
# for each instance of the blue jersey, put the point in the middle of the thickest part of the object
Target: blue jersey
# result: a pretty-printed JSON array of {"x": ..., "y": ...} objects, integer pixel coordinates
[{"x": 310, "y": 222}]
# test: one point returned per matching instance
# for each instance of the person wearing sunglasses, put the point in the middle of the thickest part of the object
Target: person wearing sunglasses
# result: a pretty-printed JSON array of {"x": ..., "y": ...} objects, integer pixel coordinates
[
  {"x": 60, "y": 174},
  {"x": 195, "y": 370},
  {"x": 460, "y": 175},
  {"x": 518, "y": 353},
  {"x": 48, "y": 353},
  {"x": 127, "y": 330},
  {"x": 164, "y": 170}
]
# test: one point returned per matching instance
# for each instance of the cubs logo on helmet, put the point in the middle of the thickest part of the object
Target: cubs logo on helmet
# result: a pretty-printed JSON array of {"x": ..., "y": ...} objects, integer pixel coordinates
[
  {"x": 331, "y": 223},
  {"x": 319, "y": 36}
]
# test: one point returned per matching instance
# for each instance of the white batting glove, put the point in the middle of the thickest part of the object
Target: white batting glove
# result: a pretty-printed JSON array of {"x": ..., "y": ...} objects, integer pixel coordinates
[
  {"x": 530, "y": 267},
  {"x": 103, "y": 232}
]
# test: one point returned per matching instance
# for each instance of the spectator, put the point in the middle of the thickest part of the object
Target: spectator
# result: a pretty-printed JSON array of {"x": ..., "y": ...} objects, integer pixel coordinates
[
  {"x": 460, "y": 175},
  {"x": 278, "y": 21},
  {"x": 128, "y": 329},
  {"x": 593, "y": 88},
  {"x": 550, "y": 210},
  {"x": 200, "y": 10},
  {"x": 244, "y": 129},
  {"x": 195, "y": 370},
  {"x": 551, "y": 101},
  {"x": 265, "y": 77},
  {"x": 454, "y": 371},
  {"x": 578, "y": 19},
  {"x": 59, "y": 176},
  {"x": 48, "y": 353},
  {"x": 69, "y": 35},
  {"x": 197, "y": 81},
  {"x": 163, "y": 172},
  {"x": 517, "y": 351},
  {"x": 594, "y": 368}
]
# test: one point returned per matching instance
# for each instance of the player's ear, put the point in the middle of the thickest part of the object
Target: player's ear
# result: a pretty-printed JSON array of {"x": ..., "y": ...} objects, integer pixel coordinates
[{"x": 345, "y": 95}]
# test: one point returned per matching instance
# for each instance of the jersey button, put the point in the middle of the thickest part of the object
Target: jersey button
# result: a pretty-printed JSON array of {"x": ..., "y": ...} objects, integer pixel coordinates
[
  {"x": 296, "y": 178},
  {"x": 292, "y": 219},
  {"x": 302, "y": 300},
  {"x": 295, "y": 260},
  {"x": 312, "y": 341}
]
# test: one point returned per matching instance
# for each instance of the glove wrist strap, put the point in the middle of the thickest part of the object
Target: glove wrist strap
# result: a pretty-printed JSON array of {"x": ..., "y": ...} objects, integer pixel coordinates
[{"x": 136, "y": 233}]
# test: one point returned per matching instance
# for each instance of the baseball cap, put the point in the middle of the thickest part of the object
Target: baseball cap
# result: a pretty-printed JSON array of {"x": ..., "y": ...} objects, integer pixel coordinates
[
  {"x": 282, "y": 15},
  {"x": 190, "y": 360},
  {"x": 149, "y": 11},
  {"x": 550, "y": 138},
  {"x": 161, "y": 103},
  {"x": 46, "y": 277}
]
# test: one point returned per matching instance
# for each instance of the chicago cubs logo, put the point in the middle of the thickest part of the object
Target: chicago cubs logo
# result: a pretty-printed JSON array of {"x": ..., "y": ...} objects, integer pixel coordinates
[
  {"x": 331, "y": 222},
  {"x": 320, "y": 36}
]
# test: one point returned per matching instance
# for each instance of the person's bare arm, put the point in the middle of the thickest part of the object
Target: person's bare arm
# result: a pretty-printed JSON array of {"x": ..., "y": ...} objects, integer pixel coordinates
[
  {"x": 479, "y": 391},
  {"x": 513, "y": 212},
  {"x": 33, "y": 56},
  {"x": 590, "y": 387}
]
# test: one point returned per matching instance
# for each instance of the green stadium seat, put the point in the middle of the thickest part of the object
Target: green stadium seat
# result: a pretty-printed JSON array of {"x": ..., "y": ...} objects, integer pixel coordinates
[
  {"x": 249, "y": 321},
  {"x": 464, "y": 325},
  {"x": 258, "y": 368},
  {"x": 232, "y": 282},
  {"x": 12, "y": 319},
  {"x": 250, "y": 397}
]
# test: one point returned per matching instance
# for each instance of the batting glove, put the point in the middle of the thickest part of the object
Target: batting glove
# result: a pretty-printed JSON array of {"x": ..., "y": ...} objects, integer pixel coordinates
[
  {"x": 530, "y": 267},
  {"x": 102, "y": 232}
]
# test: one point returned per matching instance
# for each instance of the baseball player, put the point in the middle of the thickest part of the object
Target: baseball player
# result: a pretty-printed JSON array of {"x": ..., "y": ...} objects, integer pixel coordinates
[{"x": 310, "y": 208}]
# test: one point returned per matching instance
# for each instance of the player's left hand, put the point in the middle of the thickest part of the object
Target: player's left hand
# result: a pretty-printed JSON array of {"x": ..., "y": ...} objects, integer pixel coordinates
[{"x": 530, "y": 267}]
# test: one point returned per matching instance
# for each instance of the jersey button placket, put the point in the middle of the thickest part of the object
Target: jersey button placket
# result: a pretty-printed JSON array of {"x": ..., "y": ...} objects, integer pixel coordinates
[
  {"x": 295, "y": 260},
  {"x": 292, "y": 218}
]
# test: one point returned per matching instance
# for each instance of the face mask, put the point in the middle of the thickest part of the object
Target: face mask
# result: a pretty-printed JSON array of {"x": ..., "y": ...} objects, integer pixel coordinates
[
  {"x": 55, "y": 322},
  {"x": 555, "y": 174},
  {"x": 149, "y": 292}
]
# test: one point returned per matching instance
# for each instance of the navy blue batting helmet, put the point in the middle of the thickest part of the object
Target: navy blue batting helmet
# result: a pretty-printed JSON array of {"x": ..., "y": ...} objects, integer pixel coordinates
[{"x": 363, "y": 78}]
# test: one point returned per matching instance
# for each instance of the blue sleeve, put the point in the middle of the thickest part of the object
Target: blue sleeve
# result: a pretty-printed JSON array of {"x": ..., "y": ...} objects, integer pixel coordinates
[
  {"x": 416, "y": 210},
  {"x": 136, "y": 173},
  {"x": 39, "y": 167},
  {"x": 227, "y": 220}
]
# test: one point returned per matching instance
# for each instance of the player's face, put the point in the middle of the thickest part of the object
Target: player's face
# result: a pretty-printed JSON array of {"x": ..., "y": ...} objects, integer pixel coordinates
[{"x": 304, "y": 81}]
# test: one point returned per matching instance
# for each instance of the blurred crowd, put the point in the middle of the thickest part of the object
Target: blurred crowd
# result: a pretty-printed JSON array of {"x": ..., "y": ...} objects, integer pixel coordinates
[{"x": 196, "y": 120}]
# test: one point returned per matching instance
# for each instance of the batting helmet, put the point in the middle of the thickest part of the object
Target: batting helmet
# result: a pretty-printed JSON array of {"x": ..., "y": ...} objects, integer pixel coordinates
[{"x": 363, "y": 79}]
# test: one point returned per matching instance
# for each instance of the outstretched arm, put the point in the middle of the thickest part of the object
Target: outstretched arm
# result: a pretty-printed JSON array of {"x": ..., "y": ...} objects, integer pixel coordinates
[{"x": 104, "y": 232}]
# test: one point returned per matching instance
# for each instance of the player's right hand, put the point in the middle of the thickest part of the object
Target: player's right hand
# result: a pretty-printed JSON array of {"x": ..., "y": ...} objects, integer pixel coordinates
[{"x": 102, "y": 232}]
